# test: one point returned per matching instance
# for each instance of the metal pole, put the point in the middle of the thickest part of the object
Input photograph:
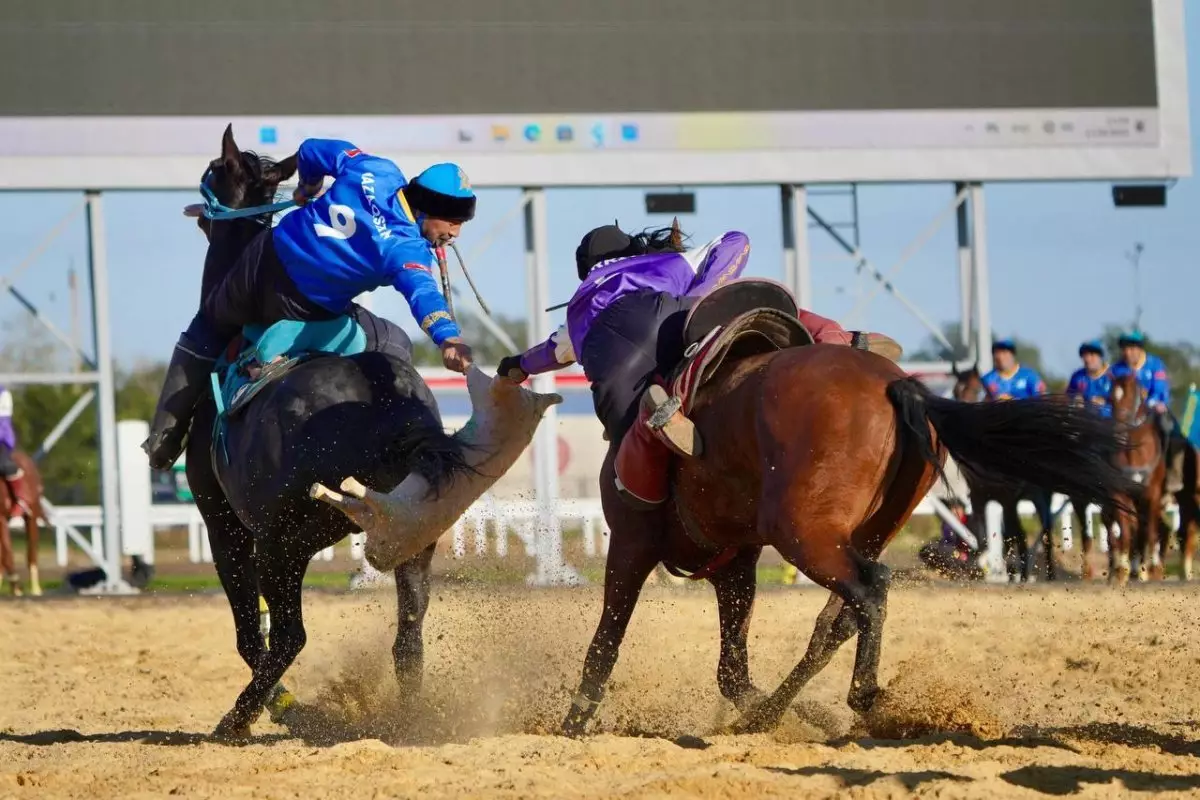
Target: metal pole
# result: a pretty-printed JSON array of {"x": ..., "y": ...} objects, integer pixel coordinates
[
  {"x": 966, "y": 268},
  {"x": 787, "y": 195},
  {"x": 106, "y": 389},
  {"x": 983, "y": 308},
  {"x": 550, "y": 566},
  {"x": 797, "y": 258}
]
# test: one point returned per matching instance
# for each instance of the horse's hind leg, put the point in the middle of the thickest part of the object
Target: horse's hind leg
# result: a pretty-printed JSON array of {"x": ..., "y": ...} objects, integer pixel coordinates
[
  {"x": 859, "y": 605},
  {"x": 412, "y": 601},
  {"x": 281, "y": 574},
  {"x": 735, "y": 586}
]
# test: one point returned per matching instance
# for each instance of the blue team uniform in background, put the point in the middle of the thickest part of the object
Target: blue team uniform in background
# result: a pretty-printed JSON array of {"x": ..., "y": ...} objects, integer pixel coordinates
[
  {"x": 1094, "y": 390},
  {"x": 358, "y": 236},
  {"x": 1023, "y": 383},
  {"x": 1151, "y": 376}
]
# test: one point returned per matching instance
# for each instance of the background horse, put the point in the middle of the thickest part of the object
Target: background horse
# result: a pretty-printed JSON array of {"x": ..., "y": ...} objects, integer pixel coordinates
[
  {"x": 1188, "y": 499},
  {"x": 968, "y": 387},
  {"x": 369, "y": 415},
  {"x": 822, "y": 452},
  {"x": 32, "y": 497},
  {"x": 1140, "y": 518}
]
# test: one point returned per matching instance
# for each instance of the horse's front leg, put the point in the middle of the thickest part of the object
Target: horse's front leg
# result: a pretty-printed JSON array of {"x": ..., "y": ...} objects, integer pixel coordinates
[
  {"x": 412, "y": 601},
  {"x": 735, "y": 586}
]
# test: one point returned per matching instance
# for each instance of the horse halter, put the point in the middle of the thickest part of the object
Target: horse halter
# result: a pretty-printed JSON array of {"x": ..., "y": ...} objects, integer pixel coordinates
[{"x": 214, "y": 209}]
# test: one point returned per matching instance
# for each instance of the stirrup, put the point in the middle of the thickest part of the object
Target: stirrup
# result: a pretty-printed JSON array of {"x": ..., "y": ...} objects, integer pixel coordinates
[{"x": 669, "y": 425}]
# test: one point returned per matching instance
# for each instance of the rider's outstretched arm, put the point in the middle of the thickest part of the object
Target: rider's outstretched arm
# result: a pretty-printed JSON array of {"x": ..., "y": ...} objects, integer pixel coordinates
[
  {"x": 320, "y": 158},
  {"x": 413, "y": 277},
  {"x": 554, "y": 353},
  {"x": 726, "y": 261}
]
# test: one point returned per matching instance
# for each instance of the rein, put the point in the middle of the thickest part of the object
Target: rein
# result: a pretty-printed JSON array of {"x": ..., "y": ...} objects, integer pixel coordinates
[{"x": 215, "y": 210}]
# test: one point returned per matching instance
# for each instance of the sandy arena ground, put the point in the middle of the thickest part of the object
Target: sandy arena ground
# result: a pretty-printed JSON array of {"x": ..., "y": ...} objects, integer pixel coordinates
[{"x": 1012, "y": 692}]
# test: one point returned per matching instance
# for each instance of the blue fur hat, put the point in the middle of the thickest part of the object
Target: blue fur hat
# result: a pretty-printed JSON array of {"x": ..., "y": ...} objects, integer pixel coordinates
[{"x": 442, "y": 192}]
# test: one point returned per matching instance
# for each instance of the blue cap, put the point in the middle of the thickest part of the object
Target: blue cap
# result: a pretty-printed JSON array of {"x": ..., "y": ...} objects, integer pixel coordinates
[
  {"x": 1092, "y": 346},
  {"x": 1005, "y": 344},
  {"x": 1133, "y": 338},
  {"x": 442, "y": 191}
]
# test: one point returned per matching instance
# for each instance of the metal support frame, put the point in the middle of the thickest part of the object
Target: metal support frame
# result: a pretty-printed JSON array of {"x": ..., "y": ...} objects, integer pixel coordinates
[
  {"x": 551, "y": 568},
  {"x": 797, "y": 256},
  {"x": 967, "y": 208},
  {"x": 106, "y": 389},
  {"x": 980, "y": 284},
  {"x": 96, "y": 371},
  {"x": 966, "y": 265}
]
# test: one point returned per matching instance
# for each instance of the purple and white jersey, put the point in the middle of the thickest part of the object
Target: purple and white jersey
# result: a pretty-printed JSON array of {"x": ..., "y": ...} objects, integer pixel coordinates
[{"x": 693, "y": 273}]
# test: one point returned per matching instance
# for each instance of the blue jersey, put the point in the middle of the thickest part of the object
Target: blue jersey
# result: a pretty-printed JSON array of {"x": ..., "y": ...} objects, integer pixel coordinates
[
  {"x": 1151, "y": 376},
  {"x": 358, "y": 236},
  {"x": 1093, "y": 390},
  {"x": 1021, "y": 384}
]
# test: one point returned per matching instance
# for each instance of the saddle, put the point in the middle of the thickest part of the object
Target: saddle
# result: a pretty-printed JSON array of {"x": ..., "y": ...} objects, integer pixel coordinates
[
  {"x": 265, "y": 355},
  {"x": 744, "y": 318}
]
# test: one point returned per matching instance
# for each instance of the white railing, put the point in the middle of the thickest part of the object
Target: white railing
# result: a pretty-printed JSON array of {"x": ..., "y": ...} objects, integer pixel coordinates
[{"x": 485, "y": 528}]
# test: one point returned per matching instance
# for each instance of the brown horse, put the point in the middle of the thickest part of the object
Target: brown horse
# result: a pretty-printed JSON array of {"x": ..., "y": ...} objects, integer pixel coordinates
[
  {"x": 968, "y": 388},
  {"x": 32, "y": 497},
  {"x": 1143, "y": 462},
  {"x": 822, "y": 452}
]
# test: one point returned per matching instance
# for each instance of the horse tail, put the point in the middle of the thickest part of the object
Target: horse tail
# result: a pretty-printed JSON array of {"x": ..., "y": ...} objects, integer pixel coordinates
[
  {"x": 431, "y": 453},
  {"x": 1040, "y": 441}
]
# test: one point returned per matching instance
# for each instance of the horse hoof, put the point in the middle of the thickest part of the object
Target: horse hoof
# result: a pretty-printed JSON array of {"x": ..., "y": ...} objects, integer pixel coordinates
[
  {"x": 762, "y": 718},
  {"x": 232, "y": 731},
  {"x": 862, "y": 701},
  {"x": 574, "y": 725}
]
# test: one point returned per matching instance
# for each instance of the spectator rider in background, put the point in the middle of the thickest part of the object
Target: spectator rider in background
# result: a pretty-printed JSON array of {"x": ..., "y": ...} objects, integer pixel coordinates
[
  {"x": 1008, "y": 380},
  {"x": 1091, "y": 384},
  {"x": 371, "y": 228},
  {"x": 1152, "y": 377},
  {"x": 9, "y": 470}
]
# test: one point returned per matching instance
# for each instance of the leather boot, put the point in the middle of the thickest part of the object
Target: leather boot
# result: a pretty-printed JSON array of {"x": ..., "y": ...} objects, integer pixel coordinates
[
  {"x": 644, "y": 457},
  {"x": 877, "y": 343},
  {"x": 642, "y": 464},
  {"x": 187, "y": 377}
]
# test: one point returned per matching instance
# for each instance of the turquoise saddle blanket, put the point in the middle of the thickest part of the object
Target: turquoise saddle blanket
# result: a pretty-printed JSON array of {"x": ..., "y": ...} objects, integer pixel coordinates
[{"x": 235, "y": 383}]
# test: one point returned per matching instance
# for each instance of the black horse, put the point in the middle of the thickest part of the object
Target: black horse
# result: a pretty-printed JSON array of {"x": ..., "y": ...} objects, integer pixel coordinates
[{"x": 369, "y": 415}]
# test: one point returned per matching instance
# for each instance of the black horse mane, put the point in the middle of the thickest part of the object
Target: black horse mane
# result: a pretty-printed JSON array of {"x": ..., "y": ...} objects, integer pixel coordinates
[
  {"x": 256, "y": 163},
  {"x": 657, "y": 240}
]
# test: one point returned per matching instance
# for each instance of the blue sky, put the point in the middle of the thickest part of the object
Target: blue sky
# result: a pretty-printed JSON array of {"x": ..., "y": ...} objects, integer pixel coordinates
[{"x": 1056, "y": 255}]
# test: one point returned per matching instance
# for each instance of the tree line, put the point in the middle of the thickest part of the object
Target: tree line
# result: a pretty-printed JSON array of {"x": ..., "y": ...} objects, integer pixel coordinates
[{"x": 71, "y": 468}]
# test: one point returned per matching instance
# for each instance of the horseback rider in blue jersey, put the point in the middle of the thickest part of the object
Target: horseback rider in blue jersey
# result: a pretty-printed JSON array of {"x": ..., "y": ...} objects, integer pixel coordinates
[
  {"x": 1091, "y": 384},
  {"x": 1152, "y": 377},
  {"x": 1008, "y": 379},
  {"x": 370, "y": 228}
]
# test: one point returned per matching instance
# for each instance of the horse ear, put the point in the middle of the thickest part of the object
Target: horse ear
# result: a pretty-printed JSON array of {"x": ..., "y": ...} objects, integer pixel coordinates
[
  {"x": 230, "y": 154},
  {"x": 676, "y": 234},
  {"x": 281, "y": 171}
]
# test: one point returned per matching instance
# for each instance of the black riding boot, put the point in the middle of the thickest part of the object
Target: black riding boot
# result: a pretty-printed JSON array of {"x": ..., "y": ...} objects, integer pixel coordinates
[{"x": 187, "y": 377}]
